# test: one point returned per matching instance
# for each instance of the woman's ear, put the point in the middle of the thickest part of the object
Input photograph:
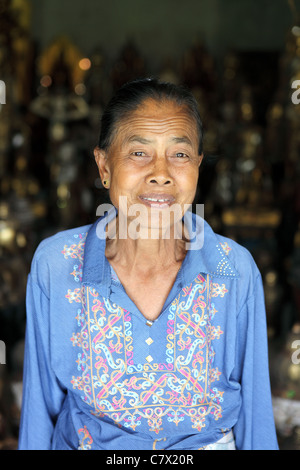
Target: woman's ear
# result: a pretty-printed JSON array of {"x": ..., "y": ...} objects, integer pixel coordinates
[
  {"x": 200, "y": 159},
  {"x": 102, "y": 164}
]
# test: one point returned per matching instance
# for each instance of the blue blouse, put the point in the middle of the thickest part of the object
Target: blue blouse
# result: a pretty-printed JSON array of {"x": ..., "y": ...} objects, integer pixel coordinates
[{"x": 98, "y": 375}]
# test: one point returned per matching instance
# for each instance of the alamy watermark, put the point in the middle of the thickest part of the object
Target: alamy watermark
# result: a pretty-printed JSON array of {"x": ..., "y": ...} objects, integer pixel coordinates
[
  {"x": 2, "y": 353},
  {"x": 153, "y": 221},
  {"x": 296, "y": 355},
  {"x": 296, "y": 94},
  {"x": 2, "y": 92}
]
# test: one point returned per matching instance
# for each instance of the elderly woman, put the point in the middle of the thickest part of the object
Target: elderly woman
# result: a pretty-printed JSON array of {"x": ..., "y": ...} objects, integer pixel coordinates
[{"x": 146, "y": 330}]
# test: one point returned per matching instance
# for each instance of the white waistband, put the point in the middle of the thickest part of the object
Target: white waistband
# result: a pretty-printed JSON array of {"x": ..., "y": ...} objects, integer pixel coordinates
[{"x": 225, "y": 443}]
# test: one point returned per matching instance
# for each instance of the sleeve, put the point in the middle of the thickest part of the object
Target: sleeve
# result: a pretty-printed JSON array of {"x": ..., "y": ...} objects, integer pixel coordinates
[
  {"x": 255, "y": 428},
  {"x": 42, "y": 393}
]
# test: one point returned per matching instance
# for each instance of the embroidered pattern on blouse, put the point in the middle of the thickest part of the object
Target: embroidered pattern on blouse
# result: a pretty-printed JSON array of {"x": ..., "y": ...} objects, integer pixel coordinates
[
  {"x": 226, "y": 247},
  {"x": 86, "y": 440},
  {"x": 75, "y": 250},
  {"x": 77, "y": 272},
  {"x": 224, "y": 268},
  {"x": 149, "y": 396}
]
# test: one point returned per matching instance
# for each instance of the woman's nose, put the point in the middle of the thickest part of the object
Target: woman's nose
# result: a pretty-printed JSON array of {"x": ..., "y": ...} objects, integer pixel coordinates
[{"x": 160, "y": 173}]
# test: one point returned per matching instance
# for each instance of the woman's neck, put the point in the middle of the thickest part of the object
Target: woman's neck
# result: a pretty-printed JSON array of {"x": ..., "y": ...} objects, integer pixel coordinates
[{"x": 146, "y": 253}]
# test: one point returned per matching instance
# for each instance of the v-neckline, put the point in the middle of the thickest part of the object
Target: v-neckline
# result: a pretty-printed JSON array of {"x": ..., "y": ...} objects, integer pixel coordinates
[{"x": 131, "y": 305}]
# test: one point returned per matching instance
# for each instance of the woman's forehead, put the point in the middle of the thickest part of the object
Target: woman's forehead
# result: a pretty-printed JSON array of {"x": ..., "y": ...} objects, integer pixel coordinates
[{"x": 159, "y": 117}]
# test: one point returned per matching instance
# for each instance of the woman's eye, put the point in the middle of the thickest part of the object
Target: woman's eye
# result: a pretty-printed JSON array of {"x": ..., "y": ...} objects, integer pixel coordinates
[
  {"x": 181, "y": 155},
  {"x": 138, "y": 154}
]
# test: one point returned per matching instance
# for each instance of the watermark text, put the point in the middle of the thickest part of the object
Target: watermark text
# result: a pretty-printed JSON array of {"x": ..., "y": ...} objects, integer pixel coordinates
[
  {"x": 2, "y": 353},
  {"x": 296, "y": 354},
  {"x": 296, "y": 94},
  {"x": 2, "y": 92},
  {"x": 139, "y": 221}
]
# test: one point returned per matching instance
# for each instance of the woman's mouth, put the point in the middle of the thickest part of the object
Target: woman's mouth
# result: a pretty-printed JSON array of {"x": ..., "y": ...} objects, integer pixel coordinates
[{"x": 157, "y": 200}]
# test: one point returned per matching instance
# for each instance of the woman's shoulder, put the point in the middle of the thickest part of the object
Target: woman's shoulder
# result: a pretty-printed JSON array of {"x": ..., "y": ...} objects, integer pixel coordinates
[
  {"x": 227, "y": 248},
  {"x": 242, "y": 260},
  {"x": 53, "y": 250},
  {"x": 63, "y": 238}
]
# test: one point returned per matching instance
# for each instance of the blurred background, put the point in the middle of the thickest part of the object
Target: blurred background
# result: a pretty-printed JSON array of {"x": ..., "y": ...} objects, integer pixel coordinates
[{"x": 61, "y": 61}]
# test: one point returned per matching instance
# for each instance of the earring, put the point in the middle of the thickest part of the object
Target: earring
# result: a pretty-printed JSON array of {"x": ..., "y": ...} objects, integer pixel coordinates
[{"x": 105, "y": 183}]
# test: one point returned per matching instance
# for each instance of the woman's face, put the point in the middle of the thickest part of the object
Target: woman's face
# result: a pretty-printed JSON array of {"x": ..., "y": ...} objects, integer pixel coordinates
[{"x": 153, "y": 162}]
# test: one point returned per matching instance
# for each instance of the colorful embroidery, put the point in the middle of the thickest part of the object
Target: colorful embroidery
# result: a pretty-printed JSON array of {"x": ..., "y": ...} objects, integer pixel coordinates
[
  {"x": 218, "y": 290},
  {"x": 74, "y": 296},
  {"x": 226, "y": 247},
  {"x": 129, "y": 393},
  {"x": 76, "y": 250},
  {"x": 149, "y": 396},
  {"x": 77, "y": 272},
  {"x": 86, "y": 441}
]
